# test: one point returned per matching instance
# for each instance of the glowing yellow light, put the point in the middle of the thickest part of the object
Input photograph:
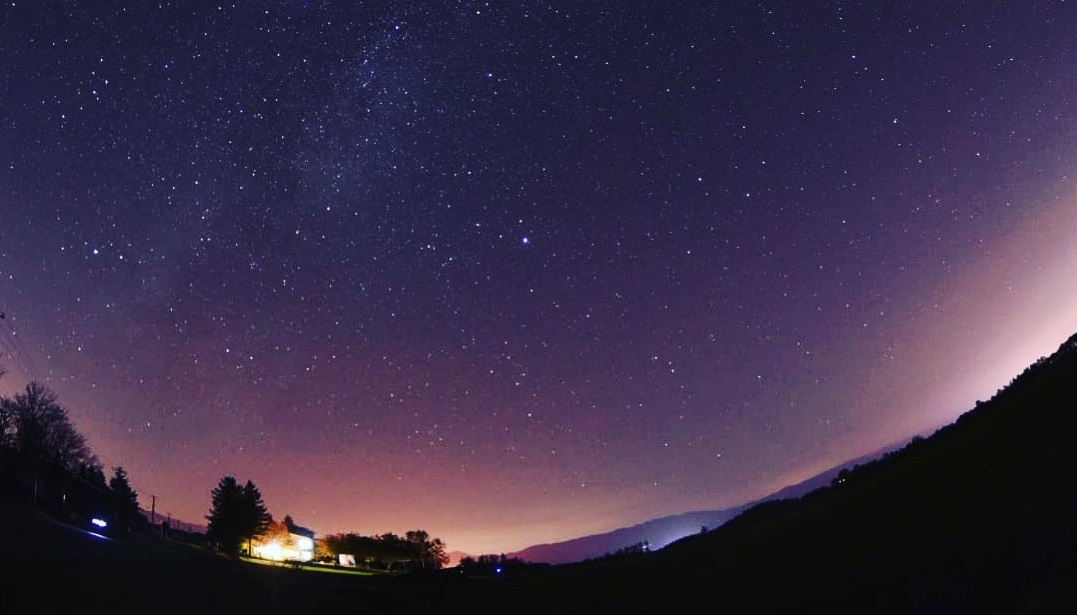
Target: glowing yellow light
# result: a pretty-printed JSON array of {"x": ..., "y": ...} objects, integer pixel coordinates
[{"x": 273, "y": 551}]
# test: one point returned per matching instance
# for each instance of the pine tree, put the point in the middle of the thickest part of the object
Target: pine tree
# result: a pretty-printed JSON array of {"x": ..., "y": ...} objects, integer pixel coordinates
[
  {"x": 237, "y": 514},
  {"x": 256, "y": 518},
  {"x": 225, "y": 515},
  {"x": 126, "y": 499}
]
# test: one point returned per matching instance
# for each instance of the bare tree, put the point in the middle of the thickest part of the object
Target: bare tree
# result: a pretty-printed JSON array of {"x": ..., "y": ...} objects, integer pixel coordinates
[{"x": 43, "y": 430}]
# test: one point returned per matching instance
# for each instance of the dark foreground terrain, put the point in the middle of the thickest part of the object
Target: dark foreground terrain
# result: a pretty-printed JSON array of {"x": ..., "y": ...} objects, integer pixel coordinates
[
  {"x": 979, "y": 518},
  {"x": 65, "y": 570}
]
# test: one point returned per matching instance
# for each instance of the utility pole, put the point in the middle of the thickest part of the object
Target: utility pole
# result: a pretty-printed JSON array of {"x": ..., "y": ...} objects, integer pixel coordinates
[{"x": 153, "y": 509}]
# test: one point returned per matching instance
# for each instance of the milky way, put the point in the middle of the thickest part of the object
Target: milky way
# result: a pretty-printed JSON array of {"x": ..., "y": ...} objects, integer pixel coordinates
[{"x": 517, "y": 272}]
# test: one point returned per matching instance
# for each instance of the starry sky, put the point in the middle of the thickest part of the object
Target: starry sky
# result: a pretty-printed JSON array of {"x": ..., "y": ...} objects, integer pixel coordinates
[{"x": 515, "y": 272}]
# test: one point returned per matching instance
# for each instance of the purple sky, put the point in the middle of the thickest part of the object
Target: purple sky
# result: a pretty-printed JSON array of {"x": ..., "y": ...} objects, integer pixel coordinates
[{"x": 518, "y": 272}]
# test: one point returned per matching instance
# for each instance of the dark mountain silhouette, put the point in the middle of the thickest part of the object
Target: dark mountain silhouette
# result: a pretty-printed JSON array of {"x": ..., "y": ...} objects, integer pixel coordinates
[
  {"x": 980, "y": 517},
  {"x": 658, "y": 533}
]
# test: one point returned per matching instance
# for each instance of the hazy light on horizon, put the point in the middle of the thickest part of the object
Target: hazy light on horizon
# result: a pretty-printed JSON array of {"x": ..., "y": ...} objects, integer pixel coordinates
[{"x": 531, "y": 272}]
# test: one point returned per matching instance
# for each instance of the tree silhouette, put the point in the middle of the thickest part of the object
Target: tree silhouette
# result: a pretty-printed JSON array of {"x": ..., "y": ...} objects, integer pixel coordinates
[
  {"x": 492, "y": 563},
  {"x": 417, "y": 541},
  {"x": 7, "y": 423},
  {"x": 224, "y": 516},
  {"x": 430, "y": 553},
  {"x": 436, "y": 553},
  {"x": 38, "y": 426},
  {"x": 387, "y": 551},
  {"x": 237, "y": 514},
  {"x": 256, "y": 517},
  {"x": 126, "y": 499},
  {"x": 92, "y": 472}
]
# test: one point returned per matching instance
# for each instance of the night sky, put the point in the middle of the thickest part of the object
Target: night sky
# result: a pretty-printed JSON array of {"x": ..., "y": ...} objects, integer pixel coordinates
[{"x": 515, "y": 272}]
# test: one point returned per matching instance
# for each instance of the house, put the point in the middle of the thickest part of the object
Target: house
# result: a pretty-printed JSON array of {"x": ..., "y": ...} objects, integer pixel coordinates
[{"x": 284, "y": 541}]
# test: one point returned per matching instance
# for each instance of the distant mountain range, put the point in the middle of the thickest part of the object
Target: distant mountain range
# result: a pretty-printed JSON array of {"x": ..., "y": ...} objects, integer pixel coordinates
[{"x": 660, "y": 532}]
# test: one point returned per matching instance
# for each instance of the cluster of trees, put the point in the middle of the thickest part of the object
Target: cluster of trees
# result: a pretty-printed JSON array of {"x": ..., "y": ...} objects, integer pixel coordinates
[
  {"x": 492, "y": 564},
  {"x": 237, "y": 515},
  {"x": 413, "y": 551},
  {"x": 643, "y": 546},
  {"x": 34, "y": 424},
  {"x": 39, "y": 437},
  {"x": 852, "y": 475},
  {"x": 43, "y": 453}
]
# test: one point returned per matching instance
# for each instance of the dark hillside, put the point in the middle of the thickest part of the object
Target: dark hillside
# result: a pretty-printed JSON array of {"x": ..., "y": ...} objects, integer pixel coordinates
[{"x": 981, "y": 517}]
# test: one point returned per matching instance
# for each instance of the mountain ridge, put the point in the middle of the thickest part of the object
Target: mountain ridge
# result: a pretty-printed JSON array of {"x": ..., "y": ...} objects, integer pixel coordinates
[
  {"x": 662, "y": 531},
  {"x": 977, "y": 518}
]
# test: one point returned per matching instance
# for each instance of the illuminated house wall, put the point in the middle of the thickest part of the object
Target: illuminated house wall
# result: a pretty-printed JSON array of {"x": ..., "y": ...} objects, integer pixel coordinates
[{"x": 296, "y": 547}]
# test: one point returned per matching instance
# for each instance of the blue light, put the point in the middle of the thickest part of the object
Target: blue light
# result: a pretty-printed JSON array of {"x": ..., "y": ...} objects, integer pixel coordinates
[
  {"x": 98, "y": 522},
  {"x": 498, "y": 570}
]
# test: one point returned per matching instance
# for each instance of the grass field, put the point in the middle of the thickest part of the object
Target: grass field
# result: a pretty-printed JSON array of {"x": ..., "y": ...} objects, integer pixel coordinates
[{"x": 314, "y": 567}]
